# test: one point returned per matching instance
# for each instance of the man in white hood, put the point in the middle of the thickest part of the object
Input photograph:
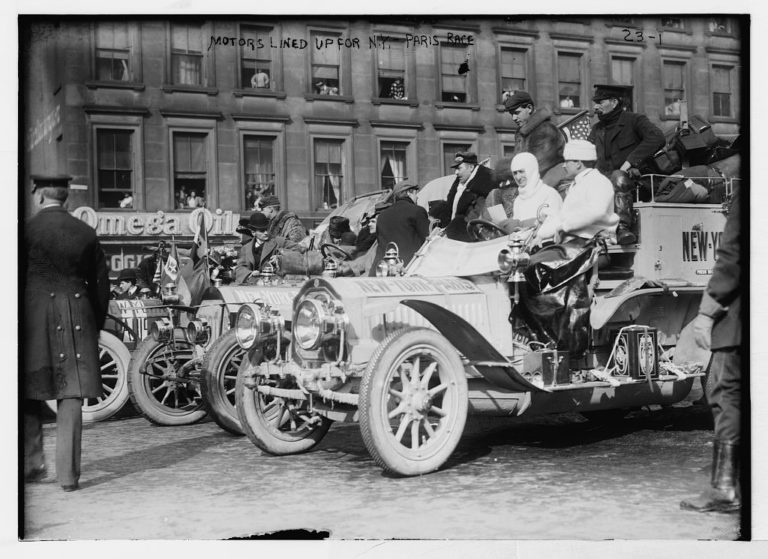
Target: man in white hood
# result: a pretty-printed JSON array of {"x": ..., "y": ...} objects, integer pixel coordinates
[
  {"x": 532, "y": 194},
  {"x": 588, "y": 206}
]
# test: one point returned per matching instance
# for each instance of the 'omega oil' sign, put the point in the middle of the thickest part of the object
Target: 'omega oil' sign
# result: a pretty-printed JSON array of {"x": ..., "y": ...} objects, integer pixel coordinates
[
  {"x": 700, "y": 246},
  {"x": 146, "y": 224}
]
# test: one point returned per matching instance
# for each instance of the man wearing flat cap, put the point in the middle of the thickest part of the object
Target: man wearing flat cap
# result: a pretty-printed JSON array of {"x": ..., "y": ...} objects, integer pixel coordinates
[
  {"x": 588, "y": 206},
  {"x": 66, "y": 296},
  {"x": 466, "y": 196},
  {"x": 404, "y": 223},
  {"x": 283, "y": 223},
  {"x": 623, "y": 140},
  {"x": 257, "y": 252},
  {"x": 537, "y": 134}
]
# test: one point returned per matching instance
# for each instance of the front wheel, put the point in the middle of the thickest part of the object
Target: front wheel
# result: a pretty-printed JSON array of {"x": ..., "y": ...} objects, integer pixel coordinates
[
  {"x": 164, "y": 382},
  {"x": 218, "y": 381},
  {"x": 413, "y": 402},
  {"x": 114, "y": 358},
  {"x": 274, "y": 414}
]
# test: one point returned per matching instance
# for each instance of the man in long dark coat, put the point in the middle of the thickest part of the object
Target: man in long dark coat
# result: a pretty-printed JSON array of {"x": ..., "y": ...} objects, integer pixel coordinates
[
  {"x": 718, "y": 326},
  {"x": 624, "y": 140},
  {"x": 404, "y": 223},
  {"x": 66, "y": 294}
]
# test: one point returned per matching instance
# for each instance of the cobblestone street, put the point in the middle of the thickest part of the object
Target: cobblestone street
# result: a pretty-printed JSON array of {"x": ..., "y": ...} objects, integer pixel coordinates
[{"x": 545, "y": 478}]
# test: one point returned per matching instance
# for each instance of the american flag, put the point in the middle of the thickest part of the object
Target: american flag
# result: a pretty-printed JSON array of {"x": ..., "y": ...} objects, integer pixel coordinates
[{"x": 576, "y": 127}]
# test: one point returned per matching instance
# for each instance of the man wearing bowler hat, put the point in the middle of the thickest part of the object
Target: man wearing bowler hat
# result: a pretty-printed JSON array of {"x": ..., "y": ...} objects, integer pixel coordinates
[
  {"x": 404, "y": 223},
  {"x": 623, "y": 140},
  {"x": 466, "y": 197},
  {"x": 260, "y": 249},
  {"x": 127, "y": 281},
  {"x": 537, "y": 134},
  {"x": 66, "y": 294}
]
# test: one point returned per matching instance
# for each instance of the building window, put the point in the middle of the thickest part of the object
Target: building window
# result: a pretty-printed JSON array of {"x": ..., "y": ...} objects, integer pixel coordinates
[
  {"x": 622, "y": 70},
  {"x": 719, "y": 25},
  {"x": 514, "y": 70},
  {"x": 189, "y": 169},
  {"x": 393, "y": 163},
  {"x": 255, "y": 65},
  {"x": 391, "y": 71},
  {"x": 326, "y": 64},
  {"x": 721, "y": 91},
  {"x": 454, "y": 85},
  {"x": 187, "y": 54},
  {"x": 673, "y": 77},
  {"x": 449, "y": 155},
  {"x": 113, "y": 52},
  {"x": 569, "y": 80},
  {"x": 673, "y": 23},
  {"x": 114, "y": 162},
  {"x": 329, "y": 172},
  {"x": 259, "y": 160}
]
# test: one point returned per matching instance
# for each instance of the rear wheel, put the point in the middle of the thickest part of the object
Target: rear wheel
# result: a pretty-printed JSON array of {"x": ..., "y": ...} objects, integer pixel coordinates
[
  {"x": 413, "y": 402},
  {"x": 114, "y": 358},
  {"x": 218, "y": 381},
  {"x": 274, "y": 413},
  {"x": 164, "y": 382}
]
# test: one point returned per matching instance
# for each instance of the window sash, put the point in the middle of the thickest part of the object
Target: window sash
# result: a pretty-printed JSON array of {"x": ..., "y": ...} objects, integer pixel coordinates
[
  {"x": 622, "y": 71},
  {"x": 394, "y": 166},
  {"x": 329, "y": 172},
  {"x": 114, "y": 162}
]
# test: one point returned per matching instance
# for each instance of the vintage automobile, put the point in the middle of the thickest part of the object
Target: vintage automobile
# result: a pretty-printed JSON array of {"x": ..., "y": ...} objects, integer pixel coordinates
[
  {"x": 188, "y": 366},
  {"x": 408, "y": 357}
]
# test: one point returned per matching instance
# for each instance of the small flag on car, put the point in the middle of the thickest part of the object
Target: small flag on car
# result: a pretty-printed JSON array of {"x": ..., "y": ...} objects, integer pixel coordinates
[{"x": 577, "y": 127}]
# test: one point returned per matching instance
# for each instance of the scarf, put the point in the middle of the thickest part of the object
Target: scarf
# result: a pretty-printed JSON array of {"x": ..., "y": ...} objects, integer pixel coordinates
[{"x": 527, "y": 162}]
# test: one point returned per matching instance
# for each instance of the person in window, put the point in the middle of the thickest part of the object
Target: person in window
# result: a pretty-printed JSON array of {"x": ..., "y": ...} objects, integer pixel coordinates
[
  {"x": 195, "y": 201},
  {"x": 404, "y": 223},
  {"x": 283, "y": 223},
  {"x": 261, "y": 249},
  {"x": 321, "y": 88},
  {"x": 260, "y": 80},
  {"x": 127, "y": 201},
  {"x": 566, "y": 103},
  {"x": 181, "y": 198},
  {"x": 623, "y": 140},
  {"x": 127, "y": 280},
  {"x": 397, "y": 90},
  {"x": 537, "y": 134}
]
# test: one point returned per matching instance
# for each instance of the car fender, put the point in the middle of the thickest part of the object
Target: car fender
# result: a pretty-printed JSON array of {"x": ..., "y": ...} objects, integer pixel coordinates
[{"x": 488, "y": 361}]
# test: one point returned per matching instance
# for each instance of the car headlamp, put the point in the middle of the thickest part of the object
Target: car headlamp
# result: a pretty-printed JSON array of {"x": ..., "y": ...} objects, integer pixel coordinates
[
  {"x": 256, "y": 323},
  {"x": 316, "y": 320},
  {"x": 161, "y": 329},
  {"x": 198, "y": 332}
]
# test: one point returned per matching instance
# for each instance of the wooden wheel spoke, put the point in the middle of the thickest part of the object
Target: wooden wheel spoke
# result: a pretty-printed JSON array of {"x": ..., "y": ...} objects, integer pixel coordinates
[
  {"x": 397, "y": 411},
  {"x": 428, "y": 428},
  {"x": 428, "y": 372},
  {"x": 395, "y": 393},
  {"x": 107, "y": 389},
  {"x": 402, "y": 427},
  {"x": 437, "y": 411},
  {"x": 414, "y": 435},
  {"x": 416, "y": 369},
  {"x": 437, "y": 390}
]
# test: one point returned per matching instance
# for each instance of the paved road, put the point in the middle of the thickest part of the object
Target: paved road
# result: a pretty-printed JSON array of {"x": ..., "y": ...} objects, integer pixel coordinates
[{"x": 549, "y": 478}]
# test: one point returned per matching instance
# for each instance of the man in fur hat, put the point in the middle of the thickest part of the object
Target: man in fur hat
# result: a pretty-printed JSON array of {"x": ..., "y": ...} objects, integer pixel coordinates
[{"x": 283, "y": 223}]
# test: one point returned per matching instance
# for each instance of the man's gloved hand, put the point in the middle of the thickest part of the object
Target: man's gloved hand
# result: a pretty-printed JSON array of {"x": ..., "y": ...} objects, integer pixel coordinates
[{"x": 702, "y": 330}]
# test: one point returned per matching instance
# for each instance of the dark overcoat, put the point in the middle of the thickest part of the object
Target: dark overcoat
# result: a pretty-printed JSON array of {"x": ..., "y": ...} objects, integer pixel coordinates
[
  {"x": 542, "y": 138},
  {"x": 470, "y": 201},
  {"x": 66, "y": 294},
  {"x": 632, "y": 138},
  {"x": 725, "y": 284},
  {"x": 405, "y": 224}
]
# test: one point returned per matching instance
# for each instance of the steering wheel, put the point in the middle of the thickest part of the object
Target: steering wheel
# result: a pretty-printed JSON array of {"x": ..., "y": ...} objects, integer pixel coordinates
[
  {"x": 334, "y": 252},
  {"x": 484, "y": 230}
]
